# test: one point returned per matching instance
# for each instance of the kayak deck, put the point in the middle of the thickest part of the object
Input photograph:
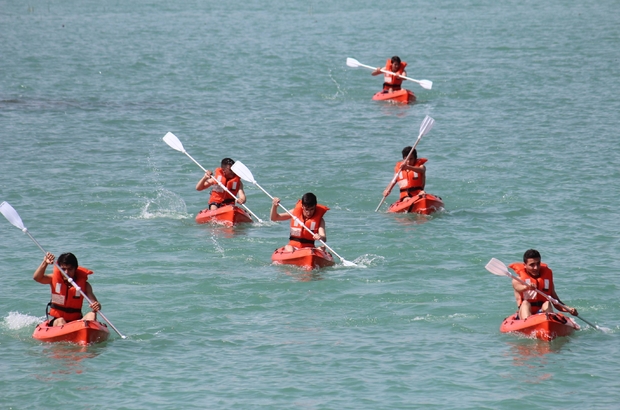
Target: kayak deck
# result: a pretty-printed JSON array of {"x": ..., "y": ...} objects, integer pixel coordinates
[
  {"x": 422, "y": 203},
  {"x": 227, "y": 215},
  {"x": 307, "y": 258},
  {"x": 82, "y": 332},
  {"x": 400, "y": 96},
  {"x": 543, "y": 326}
]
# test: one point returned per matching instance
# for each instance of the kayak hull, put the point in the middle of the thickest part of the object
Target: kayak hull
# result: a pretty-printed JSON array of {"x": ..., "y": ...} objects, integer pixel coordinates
[
  {"x": 82, "y": 332},
  {"x": 422, "y": 203},
  {"x": 401, "y": 96},
  {"x": 307, "y": 258},
  {"x": 543, "y": 326},
  {"x": 227, "y": 215}
]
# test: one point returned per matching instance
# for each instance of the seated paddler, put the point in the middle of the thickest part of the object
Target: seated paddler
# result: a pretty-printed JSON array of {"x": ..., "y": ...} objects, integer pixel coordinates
[
  {"x": 307, "y": 213},
  {"x": 225, "y": 175}
]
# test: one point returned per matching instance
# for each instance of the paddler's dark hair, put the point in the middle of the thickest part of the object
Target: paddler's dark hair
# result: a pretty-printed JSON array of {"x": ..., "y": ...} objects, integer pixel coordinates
[
  {"x": 309, "y": 199},
  {"x": 531, "y": 254},
  {"x": 396, "y": 59},
  {"x": 406, "y": 152},
  {"x": 227, "y": 161},
  {"x": 68, "y": 259}
]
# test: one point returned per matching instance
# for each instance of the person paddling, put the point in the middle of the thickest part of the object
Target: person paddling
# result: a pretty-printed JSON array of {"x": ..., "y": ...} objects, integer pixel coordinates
[
  {"x": 537, "y": 275},
  {"x": 308, "y": 212},
  {"x": 391, "y": 82},
  {"x": 66, "y": 303},
  {"x": 219, "y": 197},
  {"x": 411, "y": 179}
]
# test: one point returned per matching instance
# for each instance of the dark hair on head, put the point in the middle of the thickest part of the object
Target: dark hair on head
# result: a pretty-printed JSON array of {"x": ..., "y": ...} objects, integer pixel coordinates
[
  {"x": 309, "y": 199},
  {"x": 227, "y": 161},
  {"x": 531, "y": 254},
  {"x": 406, "y": 151},
  {"x": 396, "y": 59},
  {"x": 68, "y": 259}
]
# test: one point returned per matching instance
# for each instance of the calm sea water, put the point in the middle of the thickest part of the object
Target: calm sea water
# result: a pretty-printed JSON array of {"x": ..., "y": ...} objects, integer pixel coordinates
[{"x": 524, "y": 153}]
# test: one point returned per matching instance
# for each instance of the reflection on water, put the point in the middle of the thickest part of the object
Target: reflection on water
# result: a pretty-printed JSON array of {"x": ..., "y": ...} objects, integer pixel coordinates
[
  {"x": 524, "y": 350},
  {"x": 301, "y": 274},
  {"x": 532, "y": 356},
  {"x": 67, "y": 357},
  {"x": 412, "y": 219}
]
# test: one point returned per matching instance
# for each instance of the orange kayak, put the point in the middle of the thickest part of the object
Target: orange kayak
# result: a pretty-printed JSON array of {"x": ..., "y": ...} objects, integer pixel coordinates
[
  {"x": 308, "y": 258},
  {"x": 228, "y": 215},
  {"x": 401, "y": 96},
  {"x": 543, "y": 326},
  {"x": 422, "y": 203},
  {"x": 82, "y": 332}
]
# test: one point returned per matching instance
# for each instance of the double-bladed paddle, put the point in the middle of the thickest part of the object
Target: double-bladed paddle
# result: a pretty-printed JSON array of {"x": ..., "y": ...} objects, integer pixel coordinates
[
  {"x": 174, "y": 143},
  {"x": 497, "y": 267},
  {"x": 351, "y": 62},
  {"x": 425, "y": 127},
  {"x": 13, "y": 217},
  {"x": 244, "y": 173}
]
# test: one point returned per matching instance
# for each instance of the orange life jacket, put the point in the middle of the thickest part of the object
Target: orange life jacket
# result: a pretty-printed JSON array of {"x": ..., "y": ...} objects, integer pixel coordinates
[
  {"x": 392, "y": 80},
  {"x": 409, "y": 181},
  {"x": 300, "y": 237},
  {"x": 66, "y": 300},
  {"x": 218, "y": 195},
  {"x": 544, "y": 283}
]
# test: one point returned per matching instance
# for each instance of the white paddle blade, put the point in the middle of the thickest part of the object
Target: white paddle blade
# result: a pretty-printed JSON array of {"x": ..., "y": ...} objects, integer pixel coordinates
[
  {"x": 12, "y": 216},
  {"x": 427, "y": 125},
  {"x": 173, "y": 142},
  {"x": 497, "y": 267},
  {"x": 427, "y": 84},
  {"x": 351, "y": 62},
  {"x": 243, "y": 172},
  {"x": 349, "y": 264}
]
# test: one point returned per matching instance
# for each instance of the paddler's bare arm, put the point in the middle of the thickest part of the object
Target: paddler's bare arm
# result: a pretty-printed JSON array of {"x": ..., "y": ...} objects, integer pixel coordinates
[
  {"x": 39, "y": 274},
  {"x": 377, "y": 71},
  {"x": 205, "y": 182},
  {"x": 274, "y": 215},
  {"x": 568, "y": 309},
  {"x": 95, "y": 306},
  {"x": 419, "y": 170},
  {"x": 321, "y": 235},
  {"x": 520, "y": 287},
  {"x": 241, "y": 195}
]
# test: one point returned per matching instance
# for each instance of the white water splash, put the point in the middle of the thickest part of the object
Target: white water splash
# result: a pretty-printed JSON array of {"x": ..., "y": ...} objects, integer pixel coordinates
[
  {"x": 166, "y": 204},
  {"x": 16, "y": 321}
]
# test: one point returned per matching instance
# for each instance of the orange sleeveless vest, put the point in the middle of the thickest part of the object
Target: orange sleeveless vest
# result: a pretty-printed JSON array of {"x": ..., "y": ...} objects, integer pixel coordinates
[
  {"x": 66, "y": 300},
  {"x": 392, "y": 79},
  {"x": 544, "y": 283},
  {"x": 218, "y": 195},
  {"x": 300, "y": 237},
  {"x": 410, "y": 181}
]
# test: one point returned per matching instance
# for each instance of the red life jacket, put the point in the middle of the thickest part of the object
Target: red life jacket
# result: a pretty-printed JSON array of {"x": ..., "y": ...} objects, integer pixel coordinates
[
  {"x": 409, "y": 181},
  {"x": 544, "y": 283},
  {"x": 218, "y": 195},
  {"x": 66, "y": 300},
  {"x": 300, "y": 237},
  {"x": 392, "y": 80}
]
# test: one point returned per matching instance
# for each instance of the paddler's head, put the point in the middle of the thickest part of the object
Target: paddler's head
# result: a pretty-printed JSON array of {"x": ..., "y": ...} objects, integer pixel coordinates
[
  {"x": 414, "y": 155},
  {"x": 308, "y": 204},
  {"x": 226, "y": 164},
  {"x": 395, "y": 63},
  {"x": 69, "y": 263},
  {"x": 531, "y": 259}
]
